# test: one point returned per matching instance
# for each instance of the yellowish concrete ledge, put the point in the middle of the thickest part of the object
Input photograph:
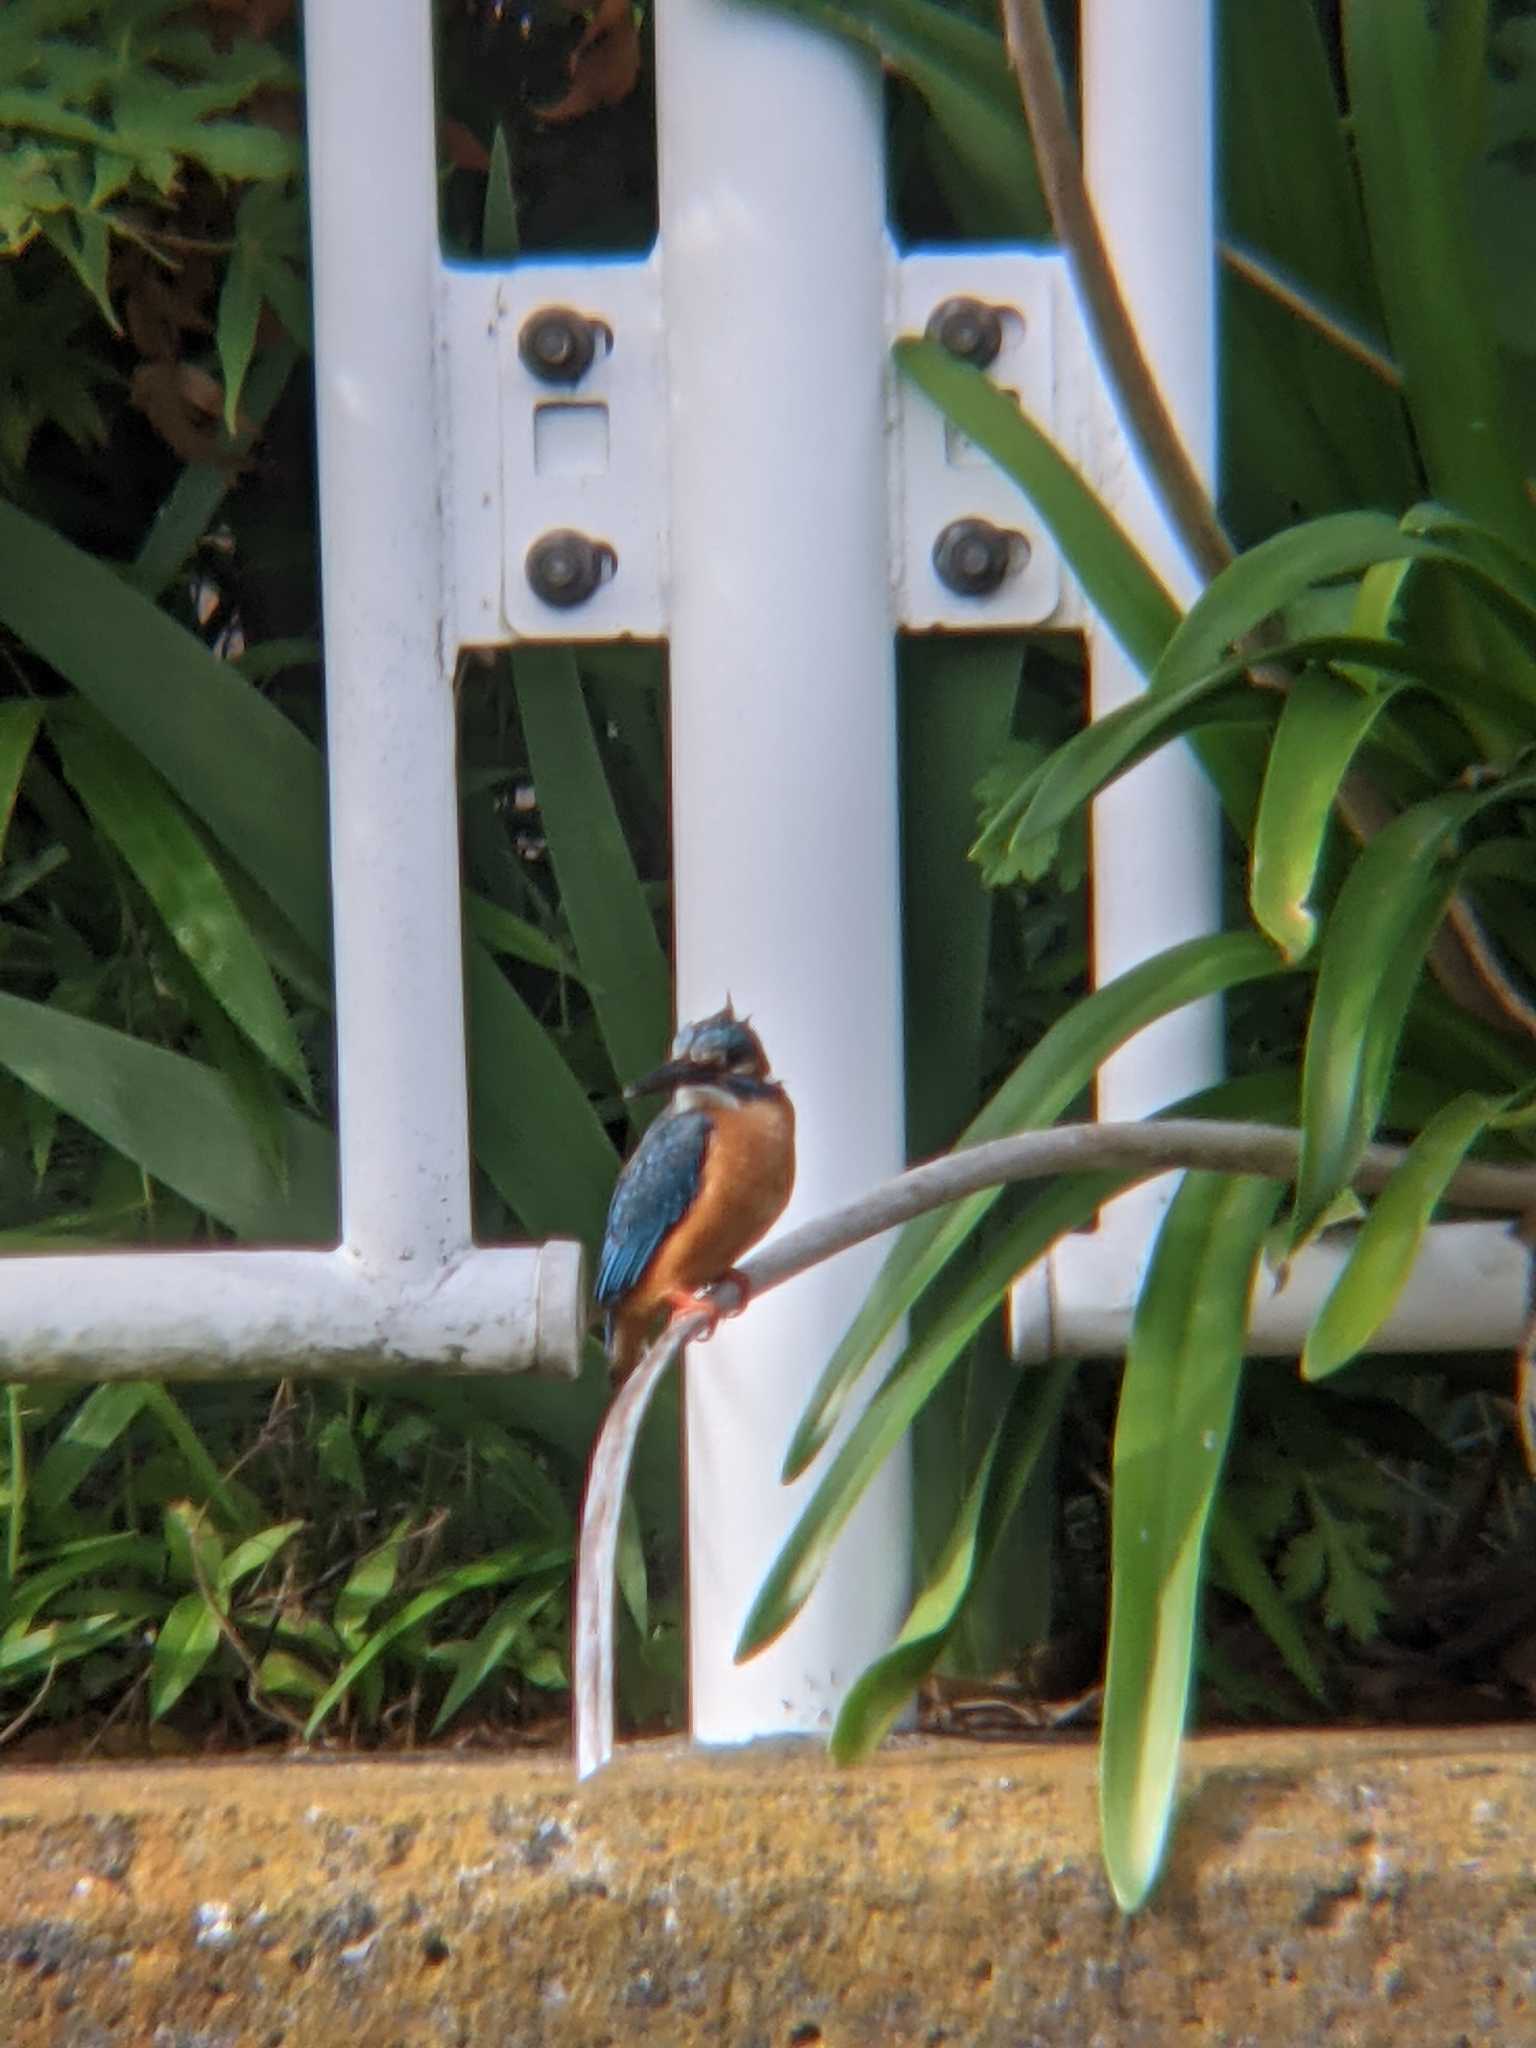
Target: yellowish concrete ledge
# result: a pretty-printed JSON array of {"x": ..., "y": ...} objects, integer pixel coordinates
[{"x": 1359, "y": 1889}]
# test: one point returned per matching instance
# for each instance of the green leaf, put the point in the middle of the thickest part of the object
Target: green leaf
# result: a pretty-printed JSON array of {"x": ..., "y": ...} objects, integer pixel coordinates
[
  {"x": 1405, "y": 128},
  {"x": 883, "y": 1688},
  {"x": 910, "y": 1382},
  {"x": 143, "y": 821},
  {"x": 500, "y": 239},
  {"x": 371, "y": 1580},
  {"x": 337, "y": 1458},
  {"x": 255, "y": 1554},
  {"x": 231, "y": 757},
  {"x": 517, "y": 1561},
  {"x": 105, "y": 1415},
  {"x": 1115, "y": 578},
  {"x": 1239, "y": 1564},
  {"x": 491, "y": 1648},
  {"x": 179, "y": 1121},
  {"x": 240, "y": 303},
  {"x": 188, "y": 1637},
  {"x": 1039, "y": 1090},
  {"x": 1372, "y": 957},
  {"x": 162, "y": 1405},
  {"x": 1322, "y": 727},
  {"x": 611, "y": 924},
  {"x": 19, "y": 721},
  {"x": 514, "y": 937},
  {"x": 536, "y": 1133},
  {"x": 1382, "y": 1256},
  {"x": 1177, "y": 1401}
]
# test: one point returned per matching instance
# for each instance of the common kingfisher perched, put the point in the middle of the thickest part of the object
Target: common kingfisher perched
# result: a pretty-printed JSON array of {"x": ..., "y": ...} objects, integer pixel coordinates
[{"x": 708, "y": 1178}]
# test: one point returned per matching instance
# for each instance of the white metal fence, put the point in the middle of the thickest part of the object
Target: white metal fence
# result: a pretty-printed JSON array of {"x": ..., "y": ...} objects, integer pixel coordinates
[{"x": 762, "y": 497}]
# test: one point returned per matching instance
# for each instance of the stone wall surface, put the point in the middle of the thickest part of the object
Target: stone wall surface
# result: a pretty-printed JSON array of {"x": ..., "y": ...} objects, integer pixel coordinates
[{"x": 1364, "y": 1889}]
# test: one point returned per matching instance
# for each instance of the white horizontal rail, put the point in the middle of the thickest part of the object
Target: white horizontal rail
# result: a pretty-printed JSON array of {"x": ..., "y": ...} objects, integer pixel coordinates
[{"x": 249, "y": 1314}]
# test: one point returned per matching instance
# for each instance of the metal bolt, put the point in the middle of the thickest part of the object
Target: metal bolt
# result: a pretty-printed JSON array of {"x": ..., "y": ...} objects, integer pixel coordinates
[
  {"x": 968, "y": 329},
  {"x": 557, "y": 345},
  {"x": 971, "y": 557},
  {"x": 564, "y": 567}
]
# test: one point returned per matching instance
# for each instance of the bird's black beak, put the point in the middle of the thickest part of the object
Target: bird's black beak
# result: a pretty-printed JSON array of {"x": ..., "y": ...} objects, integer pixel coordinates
[{"x": 675, "y": 1074}]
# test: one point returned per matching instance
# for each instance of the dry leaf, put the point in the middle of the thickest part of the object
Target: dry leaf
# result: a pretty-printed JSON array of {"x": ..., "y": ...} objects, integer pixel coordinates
[
  {"x": 463, "y": 149},
  {"x": 185, "y": 406},
  {"x": 604, "y": 64}
]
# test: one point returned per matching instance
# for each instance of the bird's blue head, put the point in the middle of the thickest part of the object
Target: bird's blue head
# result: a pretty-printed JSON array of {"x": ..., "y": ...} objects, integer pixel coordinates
[{"x": 721, "y": 1049}]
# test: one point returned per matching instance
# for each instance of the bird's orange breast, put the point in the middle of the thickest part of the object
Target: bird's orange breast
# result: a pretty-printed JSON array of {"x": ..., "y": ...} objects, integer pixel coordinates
[{"x": 747, "y": 1178}]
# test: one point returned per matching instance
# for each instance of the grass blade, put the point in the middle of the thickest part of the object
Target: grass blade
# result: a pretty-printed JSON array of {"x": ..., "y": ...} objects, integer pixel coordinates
[
  {"x": 614, "y": 933},
  {"x": 179, "y": 1121},
  {"x": 232, "y": 758},
  {"x": 488, "y": 1651},
  {"x": 1177, "y": 1402},
  {"x": 515, "y": 1562},
  {"x": 132, "y": 806},
  {"x": 18, "y": 729},
  {"x": 1406, "y": 133}
]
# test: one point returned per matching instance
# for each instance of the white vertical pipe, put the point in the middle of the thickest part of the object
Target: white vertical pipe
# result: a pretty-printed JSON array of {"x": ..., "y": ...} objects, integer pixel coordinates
[
  {"x": 784, "y": 767},
  {"x": 1148, "y": 128},
  {"x": 389, "y": 709}
]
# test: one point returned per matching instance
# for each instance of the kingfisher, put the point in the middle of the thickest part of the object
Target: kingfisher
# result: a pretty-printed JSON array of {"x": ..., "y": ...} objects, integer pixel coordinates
[{"x": 712, "y": 1173}]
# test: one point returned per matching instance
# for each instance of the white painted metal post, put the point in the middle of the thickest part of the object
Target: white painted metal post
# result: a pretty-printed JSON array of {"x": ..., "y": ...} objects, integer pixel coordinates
[
  {"x": 1147, "y": 127},
  {"x": 389, "y": 707},
  {"x": 784, "y": 766}
]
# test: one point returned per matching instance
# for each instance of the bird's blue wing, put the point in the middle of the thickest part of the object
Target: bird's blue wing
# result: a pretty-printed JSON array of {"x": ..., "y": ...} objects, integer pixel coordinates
[{"x": 654, "y": 1192}]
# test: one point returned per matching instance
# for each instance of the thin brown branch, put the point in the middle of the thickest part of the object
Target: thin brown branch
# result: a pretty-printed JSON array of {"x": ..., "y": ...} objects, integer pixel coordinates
[{"x": 1185, "y": 498}]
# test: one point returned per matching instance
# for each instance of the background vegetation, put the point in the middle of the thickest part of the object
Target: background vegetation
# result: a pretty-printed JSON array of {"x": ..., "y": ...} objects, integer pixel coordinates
[{"x": 234, "y": 1563}]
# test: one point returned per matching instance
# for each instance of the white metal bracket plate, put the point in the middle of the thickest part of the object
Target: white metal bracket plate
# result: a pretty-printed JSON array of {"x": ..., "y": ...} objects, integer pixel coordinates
[
  {"x": 940, "y": 477},
  {"x": 528, "y": 458}
]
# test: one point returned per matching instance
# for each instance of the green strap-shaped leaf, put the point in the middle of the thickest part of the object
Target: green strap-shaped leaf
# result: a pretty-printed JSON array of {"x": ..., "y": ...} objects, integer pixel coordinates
[
  {"x": 1383, "y": 1253},
  {"x": 1115, "y": 578},
  {"x": 1372, "y": 957},
  {"x": 536, "y": 1134},
  {"x": 1017, "y": 1444},
  {"x": 1039, "y": 1089},
  {"x": 500, "y": 237},
  {"x": 1322, "y": 727},
  {"x": 906, "y": 1387},
  {"x": 1407, "y": 136},
  {"x": 144, "y": 822},
  {"x": 180, "y": 1121},
  {"x": 232, "y": 757},
  {"x": 19, "y": 721},
  {"x": 1177, "y": 1400},
  {"x": 613, "y": 930}
]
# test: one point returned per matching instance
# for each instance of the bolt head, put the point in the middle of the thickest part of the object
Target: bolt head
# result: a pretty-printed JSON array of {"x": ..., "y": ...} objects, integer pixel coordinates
[
  {"x": 564, "y": 568},
  {"x": 968, "y": 329},
  {"x": 557, "y": 345},
  {"x": 972, "y": 557}
]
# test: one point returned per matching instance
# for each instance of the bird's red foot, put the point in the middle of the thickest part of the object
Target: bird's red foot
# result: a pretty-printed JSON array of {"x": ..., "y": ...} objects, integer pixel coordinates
[{"x": 683, "y": 1302}]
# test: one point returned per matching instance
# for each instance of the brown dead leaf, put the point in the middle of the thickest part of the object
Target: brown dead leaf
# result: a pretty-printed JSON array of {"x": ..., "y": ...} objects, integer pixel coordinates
[
  {"x": 185, "y": 406},
  {"x": 604, "y": 64},
  {"x": 162, "y": 304},
  {"x": 464, "y": 149}
]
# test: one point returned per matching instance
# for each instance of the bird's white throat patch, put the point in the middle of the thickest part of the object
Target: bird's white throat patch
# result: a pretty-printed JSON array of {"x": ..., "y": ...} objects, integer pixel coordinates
[{"x": 702, "y": 1096}]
